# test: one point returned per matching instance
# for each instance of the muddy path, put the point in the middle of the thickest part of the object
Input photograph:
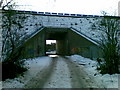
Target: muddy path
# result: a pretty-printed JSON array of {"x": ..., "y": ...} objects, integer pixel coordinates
[
  {"x": 79, "y": 78},
  {"x": 60, "y": 77},
  {"x": 42, "y": 77},
  {"x": 63, "y": 73}
]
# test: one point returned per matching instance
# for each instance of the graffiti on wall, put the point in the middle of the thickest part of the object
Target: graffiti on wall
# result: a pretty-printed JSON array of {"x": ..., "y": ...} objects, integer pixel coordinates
[
  {"x": 36, "y": 51},
  {"x": 31, "y": 51},
  {"x": 79, "y": 50}
]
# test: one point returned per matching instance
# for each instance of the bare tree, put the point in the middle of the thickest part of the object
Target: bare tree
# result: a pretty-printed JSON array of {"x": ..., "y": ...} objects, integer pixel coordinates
[
  {"x": 5, "y": 4},
  {"x": 12, "y": 31},
  {"x": 1, "y": 2},
  {"x": 110, "y": 27}
]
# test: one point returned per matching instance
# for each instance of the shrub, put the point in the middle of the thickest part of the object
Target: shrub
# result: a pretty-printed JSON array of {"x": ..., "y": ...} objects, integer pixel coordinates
[
  {"x": 109, "y": 45},
  {"x": 13, "y": 66}
]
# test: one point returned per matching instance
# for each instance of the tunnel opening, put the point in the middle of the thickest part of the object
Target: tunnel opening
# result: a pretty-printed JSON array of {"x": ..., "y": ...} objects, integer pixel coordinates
[
  {"x": 60, "y": 37},
  {"x": 50, "y": 47}
]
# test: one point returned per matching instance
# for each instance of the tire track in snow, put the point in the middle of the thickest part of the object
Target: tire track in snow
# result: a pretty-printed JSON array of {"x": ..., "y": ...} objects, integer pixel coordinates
[
  {"x": 42, "y": 77},
  {"x": 80, "y": 79},
  {"x": 62, "y": 73},
  {"x": 60, "y": 77}
]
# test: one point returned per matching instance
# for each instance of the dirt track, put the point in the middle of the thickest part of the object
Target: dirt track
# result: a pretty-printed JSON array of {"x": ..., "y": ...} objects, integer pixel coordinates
[{"x": 62, "y": 73}]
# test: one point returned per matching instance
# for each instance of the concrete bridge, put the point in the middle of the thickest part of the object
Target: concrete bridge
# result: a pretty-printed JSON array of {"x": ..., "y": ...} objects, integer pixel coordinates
[{"x": 73, "y": 33}]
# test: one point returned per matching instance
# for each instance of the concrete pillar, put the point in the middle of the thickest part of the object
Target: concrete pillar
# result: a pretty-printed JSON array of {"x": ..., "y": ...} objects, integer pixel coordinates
[{"x": 61, "y": 47}]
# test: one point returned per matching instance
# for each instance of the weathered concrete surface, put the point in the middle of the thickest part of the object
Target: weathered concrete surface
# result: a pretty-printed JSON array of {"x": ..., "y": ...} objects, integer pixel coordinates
[
  {"x": 81, "y": 23},
  {"x": 35, "y": 46},
  {"x": 84, "y": 46},
  {"x": 68, "y": 42}
]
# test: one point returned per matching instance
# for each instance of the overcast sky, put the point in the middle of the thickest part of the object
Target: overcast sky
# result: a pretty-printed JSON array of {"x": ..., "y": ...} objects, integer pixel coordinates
[{"x": 92, "y": 7}]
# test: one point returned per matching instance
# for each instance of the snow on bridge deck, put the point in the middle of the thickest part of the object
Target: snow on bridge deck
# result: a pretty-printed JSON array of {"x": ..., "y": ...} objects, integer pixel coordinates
[{"x": 80, "y": 22}]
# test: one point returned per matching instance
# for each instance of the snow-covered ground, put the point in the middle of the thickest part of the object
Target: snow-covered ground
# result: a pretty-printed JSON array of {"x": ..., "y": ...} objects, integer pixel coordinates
[
  {"x": 39, "y": 63},
  {"x": 60, "y": 77},
  {"x": 34, "y": 65},
  {"x": 108, "y": 81}
]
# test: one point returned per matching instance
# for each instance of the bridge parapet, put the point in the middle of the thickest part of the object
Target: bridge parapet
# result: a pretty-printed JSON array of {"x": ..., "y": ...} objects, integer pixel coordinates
[
  {"x": 58, "y": 14},
  {"x": 65, "y": 14}
]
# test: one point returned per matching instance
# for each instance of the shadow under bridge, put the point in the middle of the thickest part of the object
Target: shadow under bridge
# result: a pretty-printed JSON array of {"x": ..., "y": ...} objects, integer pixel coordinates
[{"x": 61, "y": 37}]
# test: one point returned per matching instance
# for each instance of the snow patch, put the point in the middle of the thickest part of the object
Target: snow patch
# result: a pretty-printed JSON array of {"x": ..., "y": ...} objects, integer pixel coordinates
[
  {"x": 106, "y": 80},
  {"x": 33, "y": 65}
]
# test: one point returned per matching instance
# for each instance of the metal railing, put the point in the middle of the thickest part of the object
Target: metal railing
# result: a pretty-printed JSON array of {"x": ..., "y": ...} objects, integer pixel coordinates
[{"x": 61, "y": 14}]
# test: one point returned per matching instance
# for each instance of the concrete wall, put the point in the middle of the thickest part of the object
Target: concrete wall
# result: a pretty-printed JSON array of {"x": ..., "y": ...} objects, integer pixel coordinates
[
  {"x": 72, "y": 43},
  {"x": 81, "y": 23},
  {"x": 80, "y": 45},
  {"x": 35, "y": 46},
  {"x": 62, "y": 47},
  {"x": 69, "y": 43}
]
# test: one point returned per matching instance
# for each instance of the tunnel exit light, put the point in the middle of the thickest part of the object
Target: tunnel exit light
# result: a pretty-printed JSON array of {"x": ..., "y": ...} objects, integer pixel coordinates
[{"x": 50, "y": 41}]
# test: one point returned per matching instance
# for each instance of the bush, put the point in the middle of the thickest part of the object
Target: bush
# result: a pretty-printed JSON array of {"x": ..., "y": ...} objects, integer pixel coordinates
[
  {"x": 109, "y": 44},
  {"x": 12, "y": 69},
  {"x": 13, "y": 66},
  {"x": 102, "y": 68},
  {"x": 108, "y": 65}
]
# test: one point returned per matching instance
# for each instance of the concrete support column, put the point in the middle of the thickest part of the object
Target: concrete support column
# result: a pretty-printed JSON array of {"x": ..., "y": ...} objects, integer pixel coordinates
[{"x": 61, "y": 47}]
